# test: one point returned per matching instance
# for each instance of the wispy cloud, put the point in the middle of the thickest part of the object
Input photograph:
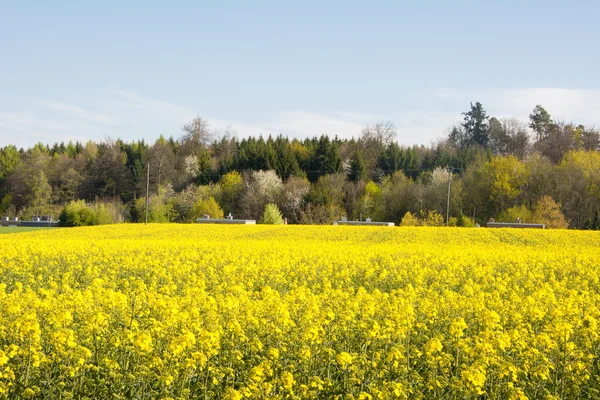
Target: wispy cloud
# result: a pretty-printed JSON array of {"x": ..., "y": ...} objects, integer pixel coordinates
[
  {"x": 306, "y": 123},
  {"x": 134, "y": 102},
  {"x": 28, "y": 121},
  {"x": 578, "y": 105},
  {"x": 73, "y": 111},
  {"x": 131, "y": 116},
  {"x": 26, "y": 128}
]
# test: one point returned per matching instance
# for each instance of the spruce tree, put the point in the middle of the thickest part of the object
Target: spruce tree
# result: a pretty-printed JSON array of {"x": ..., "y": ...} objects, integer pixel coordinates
[
  {"x": 476, "y": 125},
  {"x": 357, "y": 167}
]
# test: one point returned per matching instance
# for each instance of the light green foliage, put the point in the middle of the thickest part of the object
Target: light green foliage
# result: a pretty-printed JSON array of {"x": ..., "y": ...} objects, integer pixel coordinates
[
  {"x": 513, "y": 214},
  {"x": 41, "y": 191},
  {"x": 546, "y": 211},
  {"x": 272, "y": 215},
  {"x": 208, "y": 207},
  {"x": 432, "y": 218},
  {"x": 370, "y": 203},
  {"x": 160, "y": 207},
  {"x": 410, "y": 220},
  {"x": 464, "y": 221},
  {"x": 506, "y": 177},
  {"x": 232, "y": 185},
  {"x": 425, "y": 218},
  {"x": 79, "y": 213},
  {"x": 9, "y": 157},
  {"x": 103, "y": 214}
]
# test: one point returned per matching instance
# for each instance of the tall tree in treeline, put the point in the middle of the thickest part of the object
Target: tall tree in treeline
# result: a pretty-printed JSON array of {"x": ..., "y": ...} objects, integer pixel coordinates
[
  {"x": 9, "y": 158},
  {"x": 557, "y": 141},
  {"x": 196, "y": 136},
  {"x": 357, "y": 167},
  {"x": 509, "y": 137},
  {"x": 373, "y": 141},
  {"x": 107, "y": 174},
  {"x": 28, "y": 181},
  {"x": 476, "y": 125},
  {"x": 540, "y": 121},
  {"x": 161, "y": 158},
  {"x": 326, "y": 159}
]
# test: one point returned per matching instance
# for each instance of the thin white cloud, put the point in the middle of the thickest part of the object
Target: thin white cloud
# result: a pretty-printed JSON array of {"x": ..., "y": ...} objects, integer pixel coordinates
[
  {"x": 577, "y": 105},
  {"x": 241, "y": 129},
  {"x": 308, "y": 124},
  {"x": 27, "y": 121},
  {"x": 360, "y": 117},
  {"x": 132, "y": 116},
  {"x": 24, "y": 129},
  {"x": 131, "y": 101},
  {"x": 73, "y": 111},
  {"x": 423, "y": 127}
]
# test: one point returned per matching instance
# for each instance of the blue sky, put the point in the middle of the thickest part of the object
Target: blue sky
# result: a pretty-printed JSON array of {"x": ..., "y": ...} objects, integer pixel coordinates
[{"x": 141, "y": 69}]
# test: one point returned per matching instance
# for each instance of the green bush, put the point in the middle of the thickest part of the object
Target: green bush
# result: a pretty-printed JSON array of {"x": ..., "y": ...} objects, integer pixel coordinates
[
  {"x": 78, "y": 213},
  {"x": 272, "y": 215},
  {"x": 464, "y": 221},
  {"x": 409, "y": 220},
  {"x": 208, "y": 207},
  {"x": 158, "y": 210},
  {"x": 104, "y": 215},
  {"x": 521, "y": 212},
  {"x": 431, "y": 218}
]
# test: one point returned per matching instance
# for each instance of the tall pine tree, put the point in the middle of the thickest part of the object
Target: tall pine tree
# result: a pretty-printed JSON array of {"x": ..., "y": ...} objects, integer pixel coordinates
[{"x": 476, "y": 125}]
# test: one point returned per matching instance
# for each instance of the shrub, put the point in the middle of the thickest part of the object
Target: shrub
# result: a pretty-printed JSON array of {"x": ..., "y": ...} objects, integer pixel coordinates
[
  {"x": 158, "y": 211},
  {"x": 432, "y": 218},
  {"x": 232, "y": 184},
  {"x": 103, "y": 214},
  {"x": 78, "y": 213},
  {"x": 464, "y": 221},
  {"x": 208, "y": 207},
  {"x": 160, "y": 208},
  {"x": 410, "y": 220},
  {"x": 522, "y": 213},
  {"x": 272, "y": 215},
  {"x": 547, "y": 212},
  {"x": 318, "y": 214}
]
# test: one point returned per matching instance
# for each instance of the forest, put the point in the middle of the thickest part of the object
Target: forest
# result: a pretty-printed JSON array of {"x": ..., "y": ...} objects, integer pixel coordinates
[{"x": 540, "y": 170}]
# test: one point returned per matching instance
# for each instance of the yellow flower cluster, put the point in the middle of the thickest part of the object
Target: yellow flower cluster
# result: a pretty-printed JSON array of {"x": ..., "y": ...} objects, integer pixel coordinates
[{"x": 235, "y": 312}]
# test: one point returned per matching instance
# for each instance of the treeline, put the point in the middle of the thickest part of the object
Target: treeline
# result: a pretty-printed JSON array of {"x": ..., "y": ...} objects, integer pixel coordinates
[{"x": 542, "y": 170}]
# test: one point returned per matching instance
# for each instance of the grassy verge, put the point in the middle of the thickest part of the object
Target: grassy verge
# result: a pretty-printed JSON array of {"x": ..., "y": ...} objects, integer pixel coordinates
[{"x": 19, "y": 229}]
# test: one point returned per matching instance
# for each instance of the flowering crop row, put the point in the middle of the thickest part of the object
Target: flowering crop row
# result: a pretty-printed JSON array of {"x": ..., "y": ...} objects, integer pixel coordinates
[{"x": 174, "y": 311}]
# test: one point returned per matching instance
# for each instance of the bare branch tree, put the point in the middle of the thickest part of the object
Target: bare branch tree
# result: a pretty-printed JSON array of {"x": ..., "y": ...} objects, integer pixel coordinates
[{"x": 196, "y": 136}]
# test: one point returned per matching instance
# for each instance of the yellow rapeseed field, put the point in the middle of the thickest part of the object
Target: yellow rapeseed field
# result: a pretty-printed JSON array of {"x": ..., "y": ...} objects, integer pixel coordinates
[{"x": 197, "y": 311}]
